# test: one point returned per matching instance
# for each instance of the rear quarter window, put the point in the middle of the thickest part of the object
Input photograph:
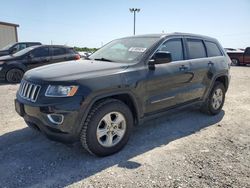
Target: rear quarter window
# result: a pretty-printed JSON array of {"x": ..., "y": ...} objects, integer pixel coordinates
[
  {"x": 70, "y": 51},
  {"x": 212, "y": 49},
  {"x": 196, "y": 49},
  {"x": 58, "y": 51}
]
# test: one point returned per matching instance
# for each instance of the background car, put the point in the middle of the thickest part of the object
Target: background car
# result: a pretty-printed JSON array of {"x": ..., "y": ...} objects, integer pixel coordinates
[
  {"x": 240, "y": 57},
  {"x": 12, "y": 67},
  {"x": 13, "y": 48}
]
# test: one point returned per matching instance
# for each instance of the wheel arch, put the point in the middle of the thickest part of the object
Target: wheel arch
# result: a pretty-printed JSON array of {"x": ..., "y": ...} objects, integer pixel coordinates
[
  {"x": 223, "y": 79},
  {"x": 16, "y": 66},
  {"x": 126, "y": 97}
]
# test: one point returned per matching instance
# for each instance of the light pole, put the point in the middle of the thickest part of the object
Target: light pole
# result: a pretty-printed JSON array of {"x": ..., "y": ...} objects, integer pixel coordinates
[{"x": 134, "y": 10}]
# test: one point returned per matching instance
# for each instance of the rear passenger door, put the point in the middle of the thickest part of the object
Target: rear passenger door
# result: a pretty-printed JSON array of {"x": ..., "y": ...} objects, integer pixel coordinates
[
  {"x": 58, "y": 54},
  {"x": 200, "y": 66}
]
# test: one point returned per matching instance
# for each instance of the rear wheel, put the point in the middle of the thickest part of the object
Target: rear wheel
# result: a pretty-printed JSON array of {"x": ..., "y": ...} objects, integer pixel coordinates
[
  {"x": 107, "y": 128},
  {"x": 235, "y": 62},
  {"x": 14, "y": 75},
  {"x": 215, "y": 100}
]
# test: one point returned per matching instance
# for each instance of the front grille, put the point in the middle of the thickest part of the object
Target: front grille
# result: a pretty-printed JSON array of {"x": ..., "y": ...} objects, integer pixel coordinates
[{"x": 29, "y": 91}]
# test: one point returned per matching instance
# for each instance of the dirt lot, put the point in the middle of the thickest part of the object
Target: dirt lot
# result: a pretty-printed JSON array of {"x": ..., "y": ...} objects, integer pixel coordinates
[{"x": 188, "y": 149}]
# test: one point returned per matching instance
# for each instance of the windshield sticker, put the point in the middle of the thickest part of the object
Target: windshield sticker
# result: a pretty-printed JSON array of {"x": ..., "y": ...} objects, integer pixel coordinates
[{"x": 137, "y": 49}]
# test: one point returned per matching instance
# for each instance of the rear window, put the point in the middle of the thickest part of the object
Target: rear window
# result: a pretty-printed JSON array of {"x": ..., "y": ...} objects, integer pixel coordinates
[
  {"x": 196, "y": 49},
  {"x": 212, "y": 49}
]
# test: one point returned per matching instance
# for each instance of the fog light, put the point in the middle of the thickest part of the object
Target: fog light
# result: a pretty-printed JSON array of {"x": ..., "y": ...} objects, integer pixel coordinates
[{"x": 56, "y": 118}]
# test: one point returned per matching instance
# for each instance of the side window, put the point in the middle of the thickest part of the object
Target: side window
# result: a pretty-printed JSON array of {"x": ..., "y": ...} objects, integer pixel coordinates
[
  {"x": 21, "y": 47},
  {"x": 40, "y": 52},
  {"x": 196, "y": 49},
  {"x": 70, "y": 51},
  {"x": 247, "y": 51},
  {"x": 212, "y": 49},
  {"x": 58, "y": 51},
  {"x": 174, "y": 46}
]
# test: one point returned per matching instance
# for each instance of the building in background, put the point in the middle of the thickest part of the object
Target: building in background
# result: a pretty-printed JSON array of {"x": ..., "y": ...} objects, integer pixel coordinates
[{"x": 8, "y": 33}]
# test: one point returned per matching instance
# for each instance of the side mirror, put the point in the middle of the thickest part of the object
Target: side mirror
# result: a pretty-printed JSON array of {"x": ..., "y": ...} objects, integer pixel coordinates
[{"x": 160, "y": 57}]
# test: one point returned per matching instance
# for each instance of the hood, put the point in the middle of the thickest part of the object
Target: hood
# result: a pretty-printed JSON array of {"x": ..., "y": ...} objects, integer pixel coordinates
[
  {"x": 7, "y": 57},
  {"x": 4, "y": 52},
  {"x": 74, "y": 70}
]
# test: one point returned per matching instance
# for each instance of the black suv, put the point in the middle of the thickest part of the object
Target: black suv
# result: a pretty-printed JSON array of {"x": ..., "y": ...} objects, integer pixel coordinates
[
  {"x": 13, "y": 48},
  {"x": 125, "y": 82},
  {"x": 12, "y": 67}
]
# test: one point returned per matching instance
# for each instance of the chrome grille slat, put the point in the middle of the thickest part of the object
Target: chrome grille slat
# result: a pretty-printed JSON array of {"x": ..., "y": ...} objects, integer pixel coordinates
[
  {"x": 25, "y": 89},
  {"x": 29, "y": 91},
  {"x": 24, "y": 83},
  {"x": 33, "y": 93}
]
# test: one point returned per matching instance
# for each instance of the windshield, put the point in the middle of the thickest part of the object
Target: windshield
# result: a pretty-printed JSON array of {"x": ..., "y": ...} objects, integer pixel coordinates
[
  {"x": 7, "y": 47},
  {"x": 22, "y": 52},
  {"x": 124, "y": 50}
]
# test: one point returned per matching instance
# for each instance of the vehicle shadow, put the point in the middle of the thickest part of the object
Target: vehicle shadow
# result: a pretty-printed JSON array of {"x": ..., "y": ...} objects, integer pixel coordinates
[
  {"x": 29, "y": 159},
  {"x": 7, "y": 83}
]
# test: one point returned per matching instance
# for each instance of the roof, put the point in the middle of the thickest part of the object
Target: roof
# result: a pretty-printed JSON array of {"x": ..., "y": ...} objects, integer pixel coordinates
[
  {"x": 9, "y": 24},
  {"x": 163, "y": 35},
  {"x": 48, "y": 45}
]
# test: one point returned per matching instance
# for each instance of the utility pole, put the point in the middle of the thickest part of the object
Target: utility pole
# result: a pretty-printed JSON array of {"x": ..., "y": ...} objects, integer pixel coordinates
[{"x": 134, "y": 10}]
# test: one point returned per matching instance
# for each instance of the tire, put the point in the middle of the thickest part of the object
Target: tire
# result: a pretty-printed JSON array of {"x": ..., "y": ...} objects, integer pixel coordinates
[
  {"x": 235, "y": 62},
  {"x": 100, "y": 135},
  {"x": 215, "y": 100},
  {"x": 14, "y": 75}
]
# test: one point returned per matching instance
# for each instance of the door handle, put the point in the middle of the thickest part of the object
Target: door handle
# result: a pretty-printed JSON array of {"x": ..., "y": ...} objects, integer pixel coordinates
[
  {"x": 183, "y": 68},
  {"x": 210, "y": 64}
]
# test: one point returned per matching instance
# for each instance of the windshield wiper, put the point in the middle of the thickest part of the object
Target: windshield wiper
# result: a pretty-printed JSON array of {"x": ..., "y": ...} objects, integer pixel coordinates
[{"x": 103, "y": 59}]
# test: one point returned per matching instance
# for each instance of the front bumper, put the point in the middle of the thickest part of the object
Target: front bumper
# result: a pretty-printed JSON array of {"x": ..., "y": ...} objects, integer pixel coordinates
[{"x": 37, "y": 115}]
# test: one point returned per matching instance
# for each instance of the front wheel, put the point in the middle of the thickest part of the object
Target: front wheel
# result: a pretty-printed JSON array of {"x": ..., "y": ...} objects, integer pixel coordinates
[
  {"x": 215, "y": 100},
  {"x": 14, "y": 75},
  {"x": 107, "y": 128}
]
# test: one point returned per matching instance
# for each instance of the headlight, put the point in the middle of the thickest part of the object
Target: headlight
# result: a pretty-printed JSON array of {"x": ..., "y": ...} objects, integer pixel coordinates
[{"x": 61, "y": 91}]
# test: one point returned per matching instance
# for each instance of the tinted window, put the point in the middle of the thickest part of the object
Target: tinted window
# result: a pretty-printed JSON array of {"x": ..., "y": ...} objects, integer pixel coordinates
[
  {"x": 70, "y": 51},
  {"x": 40, "y": 52},
  {"x": 21, "y": 46},
  {"x": 196, "y": 49},
  {"x": 58, "y": 51},
  {"x": 174, "y": 46},
  {"x": 212, "y": 49},
  {"x": 247, "y": 52}
]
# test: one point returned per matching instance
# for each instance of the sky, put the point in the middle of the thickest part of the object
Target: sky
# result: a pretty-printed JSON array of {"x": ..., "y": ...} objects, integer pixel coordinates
[{"x": 93, "y": 23}]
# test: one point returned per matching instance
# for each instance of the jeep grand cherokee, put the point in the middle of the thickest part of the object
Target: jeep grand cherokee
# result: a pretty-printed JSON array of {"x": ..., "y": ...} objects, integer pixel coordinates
[{"x": 99, "y": 100}]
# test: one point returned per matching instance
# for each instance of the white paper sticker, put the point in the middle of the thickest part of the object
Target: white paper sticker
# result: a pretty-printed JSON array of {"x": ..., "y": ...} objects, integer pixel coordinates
[{"x": 137, "y": 49}]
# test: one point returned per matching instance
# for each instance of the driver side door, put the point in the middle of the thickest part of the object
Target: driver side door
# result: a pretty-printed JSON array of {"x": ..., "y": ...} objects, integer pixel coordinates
[
  {"x": 39, "y": 57},
  {"x": 166, "y": 84}
]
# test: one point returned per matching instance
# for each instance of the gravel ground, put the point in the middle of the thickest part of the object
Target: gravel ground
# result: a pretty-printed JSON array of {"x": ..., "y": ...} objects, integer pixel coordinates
[{"x": 188, "y": 149}]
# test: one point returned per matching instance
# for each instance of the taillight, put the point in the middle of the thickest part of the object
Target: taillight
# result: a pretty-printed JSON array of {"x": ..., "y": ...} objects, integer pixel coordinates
[{"x": 77, "y": 57}]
